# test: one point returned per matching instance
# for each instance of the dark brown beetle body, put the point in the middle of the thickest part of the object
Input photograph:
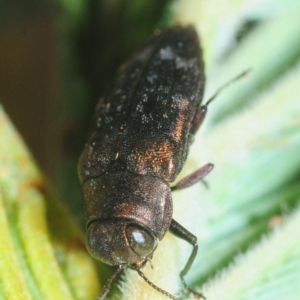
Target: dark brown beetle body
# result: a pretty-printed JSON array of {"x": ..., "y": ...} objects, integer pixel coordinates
[{"x": 138, "y": 144}]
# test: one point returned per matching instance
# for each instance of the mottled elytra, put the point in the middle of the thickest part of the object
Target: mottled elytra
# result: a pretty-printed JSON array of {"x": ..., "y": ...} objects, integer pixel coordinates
[{"x": 138, "y": 143}]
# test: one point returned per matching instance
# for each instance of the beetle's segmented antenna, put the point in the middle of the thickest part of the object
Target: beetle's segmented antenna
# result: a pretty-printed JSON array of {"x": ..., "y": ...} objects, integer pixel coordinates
[
  {"x": 106, "y": 288},
  {"x": 243, "y": 74},
  {"x": 155, "y": 287}
]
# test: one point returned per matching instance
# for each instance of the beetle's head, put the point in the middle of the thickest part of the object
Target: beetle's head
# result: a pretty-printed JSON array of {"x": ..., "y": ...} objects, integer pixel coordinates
[
  {"x": 126, "y": 216},
  {"x": 120, "y": 241}
]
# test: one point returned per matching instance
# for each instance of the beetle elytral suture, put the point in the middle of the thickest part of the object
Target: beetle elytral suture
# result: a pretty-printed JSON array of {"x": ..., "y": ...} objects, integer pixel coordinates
[{"x": 137, "y": 145}]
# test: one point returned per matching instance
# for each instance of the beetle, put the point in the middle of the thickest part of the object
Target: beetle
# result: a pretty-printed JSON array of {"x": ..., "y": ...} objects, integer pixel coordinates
[{"x": 137, "y": 145}]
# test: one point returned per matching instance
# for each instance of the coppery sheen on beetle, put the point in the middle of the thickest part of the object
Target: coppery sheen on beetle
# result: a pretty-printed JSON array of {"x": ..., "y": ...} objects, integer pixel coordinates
[{"x": 138, "y": 143}]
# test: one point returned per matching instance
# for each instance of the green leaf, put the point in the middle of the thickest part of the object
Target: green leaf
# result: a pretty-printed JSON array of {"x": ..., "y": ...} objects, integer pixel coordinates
[{"x": 43, "y": 255}]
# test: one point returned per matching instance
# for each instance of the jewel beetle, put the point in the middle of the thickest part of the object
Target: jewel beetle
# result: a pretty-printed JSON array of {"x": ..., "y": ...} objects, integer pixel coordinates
[{"x": 137, "y": 145}]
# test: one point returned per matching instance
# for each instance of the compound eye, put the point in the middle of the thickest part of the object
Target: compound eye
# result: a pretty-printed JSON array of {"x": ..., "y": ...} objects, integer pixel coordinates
[{"x": 140, "y": 241}]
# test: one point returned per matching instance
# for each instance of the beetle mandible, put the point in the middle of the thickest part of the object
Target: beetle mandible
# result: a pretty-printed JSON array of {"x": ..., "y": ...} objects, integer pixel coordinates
[{"x": 137, "y": 145}]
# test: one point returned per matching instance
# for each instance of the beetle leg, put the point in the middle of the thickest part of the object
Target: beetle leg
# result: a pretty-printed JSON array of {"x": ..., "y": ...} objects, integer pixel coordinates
[
  {"x": 199, "y": 117},
  {"x": 193, "y": 178},
  {"x": 107, "y": 286},
  {"x": 182, "y": 233}
]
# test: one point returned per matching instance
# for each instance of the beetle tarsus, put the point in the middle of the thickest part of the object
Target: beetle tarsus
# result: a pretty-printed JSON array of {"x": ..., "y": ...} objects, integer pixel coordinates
[{"x": 190, "y": 290}]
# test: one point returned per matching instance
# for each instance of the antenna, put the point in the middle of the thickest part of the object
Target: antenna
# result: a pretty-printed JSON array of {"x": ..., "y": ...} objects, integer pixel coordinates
[
  {"x": 221, "y": 88},
  {"x": 154, "y": 286}
]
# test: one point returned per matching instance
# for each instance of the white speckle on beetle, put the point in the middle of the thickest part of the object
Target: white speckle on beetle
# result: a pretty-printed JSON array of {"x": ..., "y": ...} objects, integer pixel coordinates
[
  {"x": 185, "y": 64},
  {"x": 140, "y": 107},
  {"x": 144, "y": 97},
  {"x": 167, "y": 53},
  {"x": 152, "y": 78}
]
